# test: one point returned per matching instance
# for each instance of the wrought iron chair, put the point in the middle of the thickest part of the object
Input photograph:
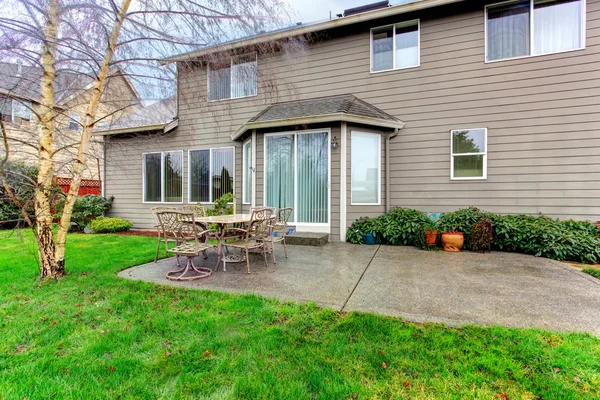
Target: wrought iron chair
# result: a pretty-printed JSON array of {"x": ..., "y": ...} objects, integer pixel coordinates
[
  {"x": 161, "y": 235},
  {"x": 182, "y": 228},
  {"x": 279, "y": 228},
  {"x": 200, "y": 212},
  {"x": 253, "y": 237}
]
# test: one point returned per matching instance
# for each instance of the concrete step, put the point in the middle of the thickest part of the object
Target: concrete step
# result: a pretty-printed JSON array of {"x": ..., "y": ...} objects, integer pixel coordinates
[{"x": 307, "y": 239}]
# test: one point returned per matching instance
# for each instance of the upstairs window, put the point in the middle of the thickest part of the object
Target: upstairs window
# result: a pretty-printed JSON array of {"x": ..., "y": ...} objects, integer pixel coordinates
[
  {"x": 395, "y": 46},
  {"x": 15, "y": 111},
  {"x": 468, "y": 158},
  {"x": 233, "y": 78},
  {"x": 534, "y": 27}
]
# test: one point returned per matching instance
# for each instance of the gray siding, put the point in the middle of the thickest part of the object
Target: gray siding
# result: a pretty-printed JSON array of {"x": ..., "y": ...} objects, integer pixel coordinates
[{"x": 542, "y": 115}]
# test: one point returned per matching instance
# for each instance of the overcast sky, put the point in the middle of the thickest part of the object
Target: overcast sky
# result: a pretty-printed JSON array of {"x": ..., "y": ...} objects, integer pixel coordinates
[{"x": 316, "y": 10}]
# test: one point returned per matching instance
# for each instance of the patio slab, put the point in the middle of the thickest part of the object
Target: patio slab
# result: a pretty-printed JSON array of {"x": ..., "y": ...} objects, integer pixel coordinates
[
  {"x": 453, "y": 288},
  {"x": 326, "y": 275},
  {"x": 495, "y": 288}
]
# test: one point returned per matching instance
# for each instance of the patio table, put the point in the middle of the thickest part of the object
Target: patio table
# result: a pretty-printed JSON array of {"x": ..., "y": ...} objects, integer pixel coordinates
[{"x": 222, "y": 221}]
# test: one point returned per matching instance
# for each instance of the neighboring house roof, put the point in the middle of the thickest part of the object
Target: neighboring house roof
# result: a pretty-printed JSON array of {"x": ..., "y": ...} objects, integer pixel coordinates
[
  {"x": 26, "y": 83},
  {"x": 157, "y": 116},
  {"x": 345, "y": 107},
  {"x": 302, "y": 29}
]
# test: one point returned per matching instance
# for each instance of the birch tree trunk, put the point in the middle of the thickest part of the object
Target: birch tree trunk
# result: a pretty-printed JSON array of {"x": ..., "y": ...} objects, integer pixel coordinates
[
  {"x": 46, "y": 246},
  {"x": 86, "y": 136}
]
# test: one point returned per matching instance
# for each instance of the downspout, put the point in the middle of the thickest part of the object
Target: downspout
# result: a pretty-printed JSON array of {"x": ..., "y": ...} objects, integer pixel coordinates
[{"x": 388, "y": 196}]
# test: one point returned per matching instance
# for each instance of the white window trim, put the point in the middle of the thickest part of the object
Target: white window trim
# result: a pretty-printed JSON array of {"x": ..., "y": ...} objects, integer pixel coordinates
[
  {"x": 162, "y": 176},
  {"x": 230, "y": 89},
  {"x": 26, "y": 103},
  {"x": 484, "y": 154},
  {"x": 189, "y": 180},
  {"x": 313, "y": 227},
  {"x": 403, "y": 23},
  {"x": 378, "y": 203},
  {"x": 245, "y": 171},
  {"x": 531, "y": 30}
]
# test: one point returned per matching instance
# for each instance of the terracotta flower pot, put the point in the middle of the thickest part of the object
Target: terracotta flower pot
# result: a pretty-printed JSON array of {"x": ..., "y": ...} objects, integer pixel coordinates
[
  {"x": 431, "y": 236},
  {"x": 452, "y": 241}
]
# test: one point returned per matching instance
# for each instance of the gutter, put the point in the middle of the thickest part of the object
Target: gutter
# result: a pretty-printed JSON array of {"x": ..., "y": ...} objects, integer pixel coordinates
[
  {"x": 134, "y": 129},
  {"x": 310, "y": 28},
  {"x": 388, "y": 179}
]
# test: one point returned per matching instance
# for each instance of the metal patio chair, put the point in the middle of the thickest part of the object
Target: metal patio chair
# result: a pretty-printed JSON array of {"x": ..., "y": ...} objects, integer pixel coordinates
[
  {"x": 182, "y": 228},
  {"x": 279, "y": 229},
  {"x": 160, "y": 234},
  {"x": 253, "y": 237}
]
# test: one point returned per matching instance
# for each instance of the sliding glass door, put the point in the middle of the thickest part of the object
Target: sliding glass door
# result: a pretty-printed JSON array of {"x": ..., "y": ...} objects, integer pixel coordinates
[{"x": 297, "y": 175}]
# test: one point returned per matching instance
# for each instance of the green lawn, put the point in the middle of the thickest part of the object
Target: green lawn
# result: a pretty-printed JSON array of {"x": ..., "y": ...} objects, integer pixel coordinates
[{"x": 93, "y": 335}]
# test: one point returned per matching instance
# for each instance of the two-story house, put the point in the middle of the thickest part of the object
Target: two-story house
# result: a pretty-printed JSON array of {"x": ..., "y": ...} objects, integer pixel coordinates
[
  {"x": 434, "y": 105},
  {"x": 20, "y": 105}
]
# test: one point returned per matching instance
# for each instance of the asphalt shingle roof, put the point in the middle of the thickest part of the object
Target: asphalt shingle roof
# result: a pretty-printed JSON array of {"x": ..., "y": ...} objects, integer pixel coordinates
[
  {"x": 341, "y": 104},
  {"x": 159, "y": 113}
]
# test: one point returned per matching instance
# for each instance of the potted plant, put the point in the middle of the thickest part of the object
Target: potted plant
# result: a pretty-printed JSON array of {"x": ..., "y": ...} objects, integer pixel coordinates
[
  {"x": 431, "y": 233},
  {"x": 452, "y": 240}
]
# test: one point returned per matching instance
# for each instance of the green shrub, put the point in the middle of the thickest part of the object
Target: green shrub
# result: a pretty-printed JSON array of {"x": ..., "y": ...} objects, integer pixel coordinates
[
  {"x": 420, "y": 240},
  {"x": 398, "y": 227},
  {"x": 481, "y": 236},
  {"x": 540, "y": 236},
  {"x": 22, "y": 182},
  {"x": 547, "y": 237},
  {"x": 86, "y": 208},
  {"x": 110, "y": 225},
  {"x": 464, "y": 221},
  {"x": 359, "y": 228},
  {"x": 222, "y": 206}
]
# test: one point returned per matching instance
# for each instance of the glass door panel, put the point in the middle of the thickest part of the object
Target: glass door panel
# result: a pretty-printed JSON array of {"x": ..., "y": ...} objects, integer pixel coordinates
[
  {"x": 280, "y": 171},
  {"x": 313, "y": 176}
]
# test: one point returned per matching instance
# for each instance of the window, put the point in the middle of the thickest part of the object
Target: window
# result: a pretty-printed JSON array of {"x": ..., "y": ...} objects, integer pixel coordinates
[
  {"x": 211, "y": 174},
  {"x": 534, "y": 27},
  {"x": 468, "y": 154},
  {"x": 163, "y": 177},
  {"x": 233, "y": 78},
  {"x": 74, "y": 122},
  {"x": 366, "y": 168},
  {"x": 395, "y": 46},
  {"x": 247, "y": 172},
  {"x": 15, "y": 111}
]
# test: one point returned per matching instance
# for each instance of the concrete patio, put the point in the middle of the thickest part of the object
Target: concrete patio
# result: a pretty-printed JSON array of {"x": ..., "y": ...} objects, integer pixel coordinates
[{"x": 496, "y": 288}]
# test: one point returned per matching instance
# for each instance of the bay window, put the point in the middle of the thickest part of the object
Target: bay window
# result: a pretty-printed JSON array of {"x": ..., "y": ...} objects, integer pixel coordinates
[
  {"x": 232, "y": 78},
  {"x": 534, "y": 27},
  {"x": 468, "y": 154},
  {"x": 211, "y": 174},
  {"x": 366, "y": 168},
  {"x": 163, "y": 177},
  {"x": 247, "y": 172}
]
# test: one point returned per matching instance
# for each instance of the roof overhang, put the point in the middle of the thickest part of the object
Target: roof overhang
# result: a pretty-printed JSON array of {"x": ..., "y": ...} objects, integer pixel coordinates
[
  {"x": 311, "y": 28},
  {"x": 138, "y": 129},
  {"x": 339, "y": 117}
]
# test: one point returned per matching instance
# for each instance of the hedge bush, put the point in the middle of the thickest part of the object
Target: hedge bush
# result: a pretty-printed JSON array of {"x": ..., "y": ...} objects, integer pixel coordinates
[
  {"x": 21, "y": 181},
  {"x": 539, "y": 236},
  {"x": 86, "y": 208},
  {"x": 110, "y": 225}
]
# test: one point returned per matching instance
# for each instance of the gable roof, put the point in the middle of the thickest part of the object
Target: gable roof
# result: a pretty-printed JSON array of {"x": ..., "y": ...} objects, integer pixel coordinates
[
  {"x": 158, "y": 116},
  {"x": 26, "y": 85},
  {"x": 344, "y": 107},
  {"x": 302, "y": 29}
]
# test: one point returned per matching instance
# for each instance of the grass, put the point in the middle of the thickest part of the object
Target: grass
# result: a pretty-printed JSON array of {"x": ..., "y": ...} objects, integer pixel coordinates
[
  {"x": 93, "y": 335},
  {"x": 595, "y": 272}
]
